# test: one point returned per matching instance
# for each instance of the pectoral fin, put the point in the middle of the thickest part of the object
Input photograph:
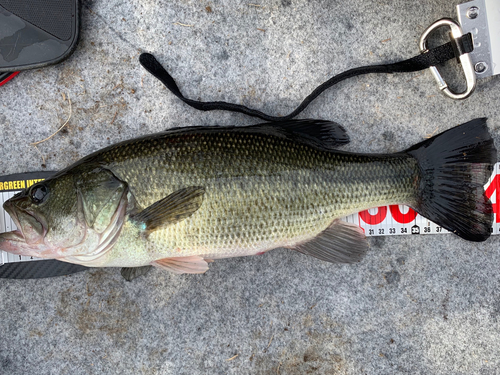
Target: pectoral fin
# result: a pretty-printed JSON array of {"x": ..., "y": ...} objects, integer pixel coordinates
[
  {"x": 171, "y": 209},
  {"x": 192, "y": 264},
  {"x": 341, "y": 242}
]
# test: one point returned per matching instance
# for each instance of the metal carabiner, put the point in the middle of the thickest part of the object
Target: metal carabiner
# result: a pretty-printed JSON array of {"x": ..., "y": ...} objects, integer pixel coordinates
[{"x": 465, "y": 60}]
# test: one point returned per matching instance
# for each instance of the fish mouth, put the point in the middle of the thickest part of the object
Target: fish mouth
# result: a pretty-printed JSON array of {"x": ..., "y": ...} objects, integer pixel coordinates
[
  {"x": 17, "y": 242},
  {"x": 15, "y": 235},
  {"x": 31, "y": 228},
  {"x": 14, "y": 243}
]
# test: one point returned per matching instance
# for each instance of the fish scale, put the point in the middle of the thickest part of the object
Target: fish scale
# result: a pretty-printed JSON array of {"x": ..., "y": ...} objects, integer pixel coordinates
[{"x": 261, "y": 192}]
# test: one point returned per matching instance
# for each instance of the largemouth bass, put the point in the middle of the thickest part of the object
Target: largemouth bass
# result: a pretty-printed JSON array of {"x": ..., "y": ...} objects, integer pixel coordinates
[{"x": 179, "y": 199}]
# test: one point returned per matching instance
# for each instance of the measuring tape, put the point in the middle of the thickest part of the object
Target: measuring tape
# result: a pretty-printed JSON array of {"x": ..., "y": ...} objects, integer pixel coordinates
[{"x": 381, "y": 221}]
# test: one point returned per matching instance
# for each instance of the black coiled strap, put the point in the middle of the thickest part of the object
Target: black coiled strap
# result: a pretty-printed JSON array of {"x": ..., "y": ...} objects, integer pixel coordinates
[{"x": 433, "y": 57}]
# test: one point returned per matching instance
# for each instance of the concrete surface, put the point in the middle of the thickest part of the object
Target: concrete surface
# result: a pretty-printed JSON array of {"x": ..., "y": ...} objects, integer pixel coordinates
[{"x": 419, "y": 305}]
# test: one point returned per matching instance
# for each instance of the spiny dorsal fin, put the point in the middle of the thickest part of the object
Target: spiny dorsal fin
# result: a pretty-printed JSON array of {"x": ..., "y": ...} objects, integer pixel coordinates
[
  {"x": 341, "y": 242},
  {"x": 171, "y": 209}
]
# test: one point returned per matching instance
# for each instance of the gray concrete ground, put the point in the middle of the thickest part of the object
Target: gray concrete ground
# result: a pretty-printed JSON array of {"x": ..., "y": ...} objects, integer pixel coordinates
[{"x": 419, "y": 305}]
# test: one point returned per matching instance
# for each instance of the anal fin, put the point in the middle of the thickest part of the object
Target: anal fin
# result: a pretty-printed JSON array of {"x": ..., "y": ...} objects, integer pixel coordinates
[
  {"x": 191, "y": 264},
  {"x": 341, "y": 242}
]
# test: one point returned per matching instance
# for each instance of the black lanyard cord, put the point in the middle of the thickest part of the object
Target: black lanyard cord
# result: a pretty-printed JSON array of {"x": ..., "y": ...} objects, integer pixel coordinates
[{"x": 433, "y": 57}]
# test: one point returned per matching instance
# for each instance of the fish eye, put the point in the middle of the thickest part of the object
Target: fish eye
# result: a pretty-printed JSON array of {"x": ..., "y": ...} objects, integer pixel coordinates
[{"x": 39, "y": 193}]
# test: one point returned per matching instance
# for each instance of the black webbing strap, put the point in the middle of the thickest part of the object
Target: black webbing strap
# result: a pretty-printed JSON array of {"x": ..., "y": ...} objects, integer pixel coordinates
[{"x": 433, "y": 57}]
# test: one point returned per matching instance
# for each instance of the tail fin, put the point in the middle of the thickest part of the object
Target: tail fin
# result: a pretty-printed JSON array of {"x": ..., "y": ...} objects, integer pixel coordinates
[{"x": 455, "y": 165}]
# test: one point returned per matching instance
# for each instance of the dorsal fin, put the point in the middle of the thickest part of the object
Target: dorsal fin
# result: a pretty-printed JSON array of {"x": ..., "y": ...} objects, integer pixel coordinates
[{"x": 321, "y": 134}]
